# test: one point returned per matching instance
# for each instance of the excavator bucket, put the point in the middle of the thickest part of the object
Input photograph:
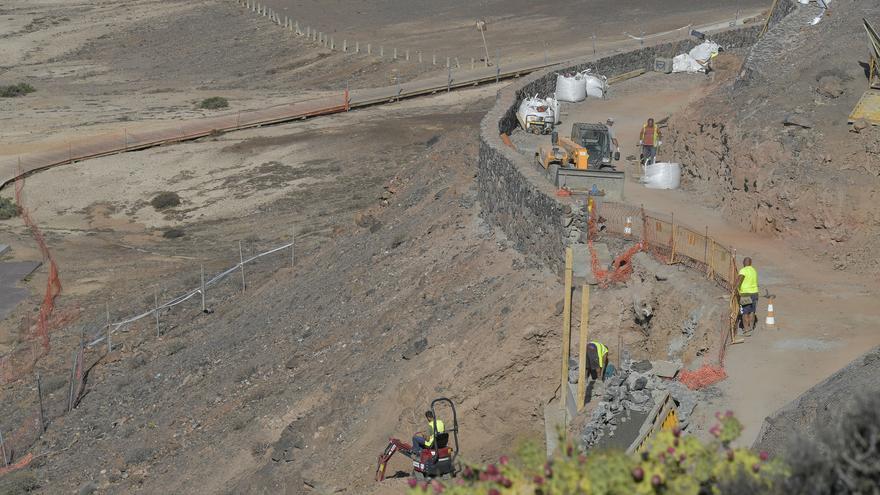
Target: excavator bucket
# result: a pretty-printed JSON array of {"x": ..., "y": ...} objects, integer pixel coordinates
[{"x": 394, "y": 445}]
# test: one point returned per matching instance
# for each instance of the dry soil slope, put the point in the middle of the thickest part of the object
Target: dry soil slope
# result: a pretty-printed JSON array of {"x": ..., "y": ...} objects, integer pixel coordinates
[{"x": 812, "y": 179}]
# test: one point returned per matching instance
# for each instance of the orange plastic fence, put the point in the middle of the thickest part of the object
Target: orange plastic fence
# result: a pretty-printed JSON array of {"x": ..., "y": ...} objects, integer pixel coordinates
[
  {"x": 20, "y": 362},
  {"x": 670, "y": 243}
]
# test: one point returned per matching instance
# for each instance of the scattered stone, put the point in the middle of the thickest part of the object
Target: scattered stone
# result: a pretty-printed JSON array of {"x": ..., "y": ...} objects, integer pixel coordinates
[
  {"x": 640, "y": 383},
  {"x": 639, "y": 397},
  {"x": 860, "y": 125},
  {"x": 87, "y": 488},
  {"x": 173, "y": 233},
  {"x": 666, "y": 369},
  {"x": 415, "y": 348},
  {"x": 830, "y": 87},
  {"x": 642, "y": 366},
  {"x": 797, "y": 120}
]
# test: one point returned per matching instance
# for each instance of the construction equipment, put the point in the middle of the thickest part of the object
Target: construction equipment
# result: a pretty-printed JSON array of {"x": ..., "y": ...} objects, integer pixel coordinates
[
  {"x": 430, "y": 462},
  {"x": 583, "y": 163},
  {"x": 563, "y": 152},
  {"x": 868, "y": 107}
]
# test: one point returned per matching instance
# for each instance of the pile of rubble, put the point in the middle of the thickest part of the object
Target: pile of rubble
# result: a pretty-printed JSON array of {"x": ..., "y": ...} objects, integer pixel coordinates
[{"x": 630, "y": 395}]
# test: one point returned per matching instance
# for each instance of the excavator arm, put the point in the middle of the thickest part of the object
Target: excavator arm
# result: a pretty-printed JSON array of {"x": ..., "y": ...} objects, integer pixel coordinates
[{"x": 394, "y": 445}]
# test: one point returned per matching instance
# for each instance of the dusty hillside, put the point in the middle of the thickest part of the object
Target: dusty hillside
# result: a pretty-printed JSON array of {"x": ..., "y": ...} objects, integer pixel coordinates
[{"x": 773, "y": 148}]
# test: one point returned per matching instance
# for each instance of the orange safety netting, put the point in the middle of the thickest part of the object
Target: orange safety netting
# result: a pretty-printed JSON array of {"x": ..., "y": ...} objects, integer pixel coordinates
[
  {"x": 621, "y": 267},
  {"x": 19, "y": 363}
]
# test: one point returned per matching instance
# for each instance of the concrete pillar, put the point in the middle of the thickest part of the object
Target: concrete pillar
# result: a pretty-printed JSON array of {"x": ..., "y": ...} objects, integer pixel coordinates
[
  {"x": 407, "y": 55},
  {"x": 369, "y": 49},
  {"x": 357, "y": 46},
  {"x": 344, "y": 45}
]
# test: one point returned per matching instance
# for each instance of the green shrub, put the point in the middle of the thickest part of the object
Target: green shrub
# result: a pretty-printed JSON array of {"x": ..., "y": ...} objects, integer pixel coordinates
[
  {"x": 672, "y": 464},
  {"x": 14, "y": 90},
  {"x": 214, "y": 103},
  {"x": 8, "y": 209},
  {"x": 165, "y": 199}
]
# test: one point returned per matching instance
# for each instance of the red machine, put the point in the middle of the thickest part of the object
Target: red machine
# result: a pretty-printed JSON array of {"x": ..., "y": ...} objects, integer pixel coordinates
[{"x": 439, "y": 460}]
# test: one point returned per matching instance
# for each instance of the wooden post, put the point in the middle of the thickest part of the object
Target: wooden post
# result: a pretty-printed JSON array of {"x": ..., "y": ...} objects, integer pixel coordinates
[
  {"x": 3, "y": 449},
  {"x": 672, "y": 242},
  {"x": 566, "y": 328},
  {"x": 241, "y": 264},
  {"x": 582, "y": 347}
]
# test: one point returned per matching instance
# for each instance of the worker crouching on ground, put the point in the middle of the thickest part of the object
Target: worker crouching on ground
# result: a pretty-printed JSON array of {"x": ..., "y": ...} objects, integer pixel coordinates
[
  {"x": 422, "y": 441},
  {"x": 597, "y": 360},
  {"x": 747, "y": 287},
  {"x": 649, "y": 140}
]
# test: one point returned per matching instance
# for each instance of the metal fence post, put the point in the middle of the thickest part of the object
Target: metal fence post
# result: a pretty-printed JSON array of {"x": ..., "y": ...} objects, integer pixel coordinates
[
  {"x": 448, "y": 77},
  {"x": 292, "y": 241},
  {"x": 109, "y": 327},
  {"x": 241, "y": 264},
  {"x": 156, "y": 302},
  {"x": 204, "y": 308},
  {"x": 40, "y": 404}
]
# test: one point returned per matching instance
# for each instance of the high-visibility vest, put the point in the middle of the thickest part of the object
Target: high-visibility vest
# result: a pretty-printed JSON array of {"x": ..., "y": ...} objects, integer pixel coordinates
[
  {"x": 602, "y": 351},
  {"x": 650, "y": 135},
  {"x": 749, "y": 284},
  {"x": 441, "y": 428}
]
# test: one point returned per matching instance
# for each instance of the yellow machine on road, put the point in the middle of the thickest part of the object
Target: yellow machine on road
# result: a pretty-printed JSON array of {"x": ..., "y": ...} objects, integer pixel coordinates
[{"x": 563, "y": 152}]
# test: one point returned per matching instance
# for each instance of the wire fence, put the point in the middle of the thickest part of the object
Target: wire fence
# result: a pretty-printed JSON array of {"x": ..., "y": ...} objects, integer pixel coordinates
[{"x": 96, "y": 340}]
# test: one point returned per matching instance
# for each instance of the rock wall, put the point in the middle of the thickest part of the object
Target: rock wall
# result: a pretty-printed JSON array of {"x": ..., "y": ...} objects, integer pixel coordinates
[
  {"x": 821, "y": 405},
  {"x": 514, "y": 196}
]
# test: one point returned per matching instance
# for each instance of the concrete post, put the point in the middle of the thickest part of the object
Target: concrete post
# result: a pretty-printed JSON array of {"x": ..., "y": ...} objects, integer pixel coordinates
[
  {"x": 241, "y": 264},
  {"x": 332, "y": 43},
  {"x": 407, "y": 55},
  {"x": 420, "y": 56},
  {"x": 394, "y": 57},
  {"x": 473, "y": 63},
  {"x": 447, "y": 63},
  {"x": 357, "y": 46},
  {"x": 369, "y": 49},
  {"x": 345, "y": 45},
  {"x": 381, "y": 51},
  {"x": 457, "y": 63},
  {"x": 433, "y": 59},
  {"x": 296, "y": 28}
]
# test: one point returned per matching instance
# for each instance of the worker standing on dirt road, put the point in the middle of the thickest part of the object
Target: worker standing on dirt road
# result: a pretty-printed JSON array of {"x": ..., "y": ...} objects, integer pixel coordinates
[
  {"x": 747, "y": 288},
  {"x": 597, "y": 360},
  {"x": 649, "y": 140},
  {"x": 610, "y": 125},
  {"x": 420, "y": 440}
]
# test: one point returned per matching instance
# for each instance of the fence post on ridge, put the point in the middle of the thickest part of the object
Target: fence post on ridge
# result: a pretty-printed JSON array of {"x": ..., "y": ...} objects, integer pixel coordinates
[{"x": 241, "y": 264}]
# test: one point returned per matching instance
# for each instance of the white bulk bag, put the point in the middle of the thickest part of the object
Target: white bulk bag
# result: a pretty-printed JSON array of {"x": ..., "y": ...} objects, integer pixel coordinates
[
  {"x": 662, "y": 175},
  {"x": 596, "y": 85},
  {"x": 571, "y": 87},
  {"x": 704, "y": 52}
]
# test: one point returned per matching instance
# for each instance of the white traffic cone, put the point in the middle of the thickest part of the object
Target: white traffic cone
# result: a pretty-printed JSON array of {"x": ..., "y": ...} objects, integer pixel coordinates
[{"x": 770, "y": 321}]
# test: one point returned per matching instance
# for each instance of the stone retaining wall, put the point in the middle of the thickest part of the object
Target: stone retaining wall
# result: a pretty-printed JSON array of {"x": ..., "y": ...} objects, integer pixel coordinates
[{"x": 512, "y": 192}]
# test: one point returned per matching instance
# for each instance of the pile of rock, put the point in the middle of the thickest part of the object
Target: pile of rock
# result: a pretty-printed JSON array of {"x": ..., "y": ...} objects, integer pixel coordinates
[{"x": 633, "y": 391}]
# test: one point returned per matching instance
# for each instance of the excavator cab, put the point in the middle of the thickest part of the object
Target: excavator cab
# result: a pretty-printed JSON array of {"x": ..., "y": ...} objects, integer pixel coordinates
[{"x": 436, "y": 461}]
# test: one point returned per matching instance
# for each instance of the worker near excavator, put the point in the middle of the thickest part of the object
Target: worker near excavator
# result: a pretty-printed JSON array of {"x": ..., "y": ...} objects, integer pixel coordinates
[
  {"x": 649, "y": 140},
  {"x": 420, "y": 440},
  {"x": 597, "y": 360},
  {"x": 747, "y": 289},
  {"x": 610, "y": 125}
]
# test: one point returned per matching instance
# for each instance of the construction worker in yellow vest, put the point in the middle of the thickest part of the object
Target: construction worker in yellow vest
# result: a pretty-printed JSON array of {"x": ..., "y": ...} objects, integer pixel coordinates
[
  {"x": 422, "y": 441},
  {"x": 649, "y": 140},
  {"x": 747, "y": 289},
  {"x": 597, "y": 360}
]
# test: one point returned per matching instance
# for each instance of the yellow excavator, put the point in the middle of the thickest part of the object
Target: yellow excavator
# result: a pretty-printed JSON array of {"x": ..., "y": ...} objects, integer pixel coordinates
[
  {"x": 563, "y": 152},
  {"x": 582, "y": 164}
]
